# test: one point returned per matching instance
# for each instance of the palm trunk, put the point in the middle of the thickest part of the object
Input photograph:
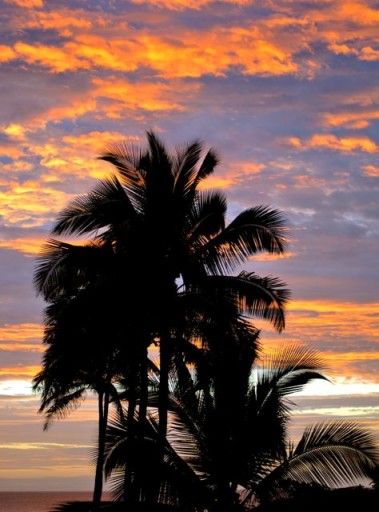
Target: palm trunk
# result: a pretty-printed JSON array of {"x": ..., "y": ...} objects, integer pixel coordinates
[
  {"x": 133, "y": 481},
  {"x": 103, "y": 407},
  {"x": 144, "y": 386},
  {"x": 129, "y": 492},
  {"x": 163, "y": 389}
]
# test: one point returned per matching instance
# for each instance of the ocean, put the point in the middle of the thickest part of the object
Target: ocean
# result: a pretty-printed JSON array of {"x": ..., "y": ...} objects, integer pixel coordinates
[{"x": 39, "y": 501}]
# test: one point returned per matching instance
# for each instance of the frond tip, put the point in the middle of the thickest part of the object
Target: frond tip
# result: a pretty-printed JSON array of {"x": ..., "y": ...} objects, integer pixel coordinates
[{"x": 331, "y": 454}]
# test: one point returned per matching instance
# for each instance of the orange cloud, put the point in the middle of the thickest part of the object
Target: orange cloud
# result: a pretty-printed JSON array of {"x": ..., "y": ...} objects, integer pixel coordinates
[
  {"x": 342, "y": 49},
  {"x": 334, "y": 321},
  {"x": 219, "y": 182},
  {"x": 146, "y": 96},
  {"x": 305, "y": 181},
  {"x": 31, "y": 204},
  {"x": 368, "y": 53},
  {"x": 6, "y": 53},
  {"x": 188, "y": 4},
  {"x": 28, "y": 246},
  {"x": 21, "y": 332},
  {"x": 371, "y": 171},
  {"x": 330, "y": 141},
  {"x": 249, "y": 168},
  {"x": 11, "y": 151},
  {"x": 54, "y": 58},
  {"x": 357, "y": 11},
  {"x": 14, "y": 131},
  {"x": 357, "y": 120},
  {"x": 26, "y": 3},
  {"x": 265, "y": 48},
  {"x": 63, "y": 21},
  {"x": 75, "y": 156},
  {"x": 193, "y": 54},
  {"x": 235, "y": 174},
  {"x": 95, "y": 141},
  {"x": 20, "y": 372},
  {"x": 272, "y": 257}
]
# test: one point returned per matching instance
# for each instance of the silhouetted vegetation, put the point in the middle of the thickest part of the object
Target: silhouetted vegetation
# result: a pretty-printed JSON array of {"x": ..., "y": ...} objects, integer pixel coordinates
[{"x": 205, "y": 429}]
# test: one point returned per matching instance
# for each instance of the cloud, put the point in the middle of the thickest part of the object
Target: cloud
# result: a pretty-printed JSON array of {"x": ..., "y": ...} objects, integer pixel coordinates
[
  {"x": 214, "y": 51},
  {"x": 330, "y": 141},
  {"x": 29, "y": 4},
  {"x": 56, "y": 59},
  {"x": 189, "y": 4},
  {"x": 351, "y": 120},
  {"x": 30, "y": 204},
  {"x": 371, "y": 171},
  {"x": 122, "y": 95}
]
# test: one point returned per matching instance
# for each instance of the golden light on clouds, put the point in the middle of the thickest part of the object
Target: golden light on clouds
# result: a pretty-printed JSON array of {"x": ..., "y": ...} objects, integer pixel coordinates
[
  {"x": 371, "y": 171},
  {"x": 6, "y": 53},
  {"x": 31, "y": 204},
  {"x": 201, "y": 53},
  {"x": 272, "y": 257},
  {"x": 96, "y": 141},
  {"x": 19, "y": 372},
  {"x": 188, "y": 4},
  {"x": 352, "y": 120},
  {"x": 122, "y": 95},
  {"x": 26, "y": 3},
  {"x": 41, "y": 446},
  {"x": 62, "y": 21},
  {"x": 356, "y": 10},
  {"x": 21, "y": 332},
  {"x": 330, "y": 141},
  {"x": 56, "y": 59},
  {"x": 286, "y": 92}
]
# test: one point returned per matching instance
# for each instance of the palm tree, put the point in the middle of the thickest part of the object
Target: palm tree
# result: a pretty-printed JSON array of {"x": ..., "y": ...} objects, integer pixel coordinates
[
  {"x": 81, "y": 355},
  {"x": 254, "y": 463},
  {"x": 165, "y": 234}
]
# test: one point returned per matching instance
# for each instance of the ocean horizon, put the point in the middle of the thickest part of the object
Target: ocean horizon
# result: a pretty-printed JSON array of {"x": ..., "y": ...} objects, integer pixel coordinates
[{"x": 40, "y": 501}]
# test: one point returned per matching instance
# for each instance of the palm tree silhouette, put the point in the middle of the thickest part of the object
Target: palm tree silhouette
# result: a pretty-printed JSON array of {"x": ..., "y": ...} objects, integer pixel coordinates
[
  {"x": 159, "y": 270},
  {"x": 248, "y": 460},
  {"x": 82, "y": 354},
  {"x": 165, "y": 233}
]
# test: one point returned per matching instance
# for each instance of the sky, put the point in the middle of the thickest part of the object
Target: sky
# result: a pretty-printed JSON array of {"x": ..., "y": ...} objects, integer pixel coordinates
[{"x": 287, "y": 93}]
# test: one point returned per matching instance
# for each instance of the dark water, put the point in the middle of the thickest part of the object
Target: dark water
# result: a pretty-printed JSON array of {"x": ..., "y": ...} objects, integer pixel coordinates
[{"x": 38, "y": 501}]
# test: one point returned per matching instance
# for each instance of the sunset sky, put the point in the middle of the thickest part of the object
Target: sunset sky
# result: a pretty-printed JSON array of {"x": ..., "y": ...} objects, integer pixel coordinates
[{"x": 286, "y": 91}]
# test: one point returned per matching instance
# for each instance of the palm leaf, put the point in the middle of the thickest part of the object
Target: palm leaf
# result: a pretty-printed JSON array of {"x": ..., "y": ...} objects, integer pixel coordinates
[
  {"x": 108, "y": 204},
  {"x": 254, "y": 230},
  {"x": 61, "y": 405},
  {"x": 63, "y": 267},
  {"x": 185, "y": 167},
  {"x": 330, "y": 454},
  {"x": 262, "y": 297},
  {"x": 207, "y": 167},
  {"x": 291, "y": 368},
  {"x": 208, "y": 217}
]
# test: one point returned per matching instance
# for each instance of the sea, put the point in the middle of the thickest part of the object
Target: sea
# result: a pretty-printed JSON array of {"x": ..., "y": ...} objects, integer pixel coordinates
[{"x": 39, "y": 501}]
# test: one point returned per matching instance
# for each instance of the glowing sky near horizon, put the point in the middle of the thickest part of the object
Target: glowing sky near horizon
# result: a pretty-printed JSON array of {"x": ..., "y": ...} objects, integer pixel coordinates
[{"x": 286, "y": 91}]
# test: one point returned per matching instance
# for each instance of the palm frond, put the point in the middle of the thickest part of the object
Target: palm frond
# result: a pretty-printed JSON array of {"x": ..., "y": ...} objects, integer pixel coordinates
[
  {"x": 106, "y": 205},
  {"x": 210, "y": 161},
  {"x": 254, "y": 230},
  {"x": 130, "y": 163},
  {"x": 330, "y": 454},
  {"x": 62, "y": 268},
  {"x": 262, "y": 297},
  {"x": 60, "y": 406},
  {"x": 185, "y": 167},
  {"x": 290, "y": 368},
  {"x": 208, "y": 217}
]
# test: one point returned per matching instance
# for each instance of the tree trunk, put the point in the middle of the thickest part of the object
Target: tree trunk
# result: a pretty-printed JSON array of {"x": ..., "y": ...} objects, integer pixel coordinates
[
  {"x": 129, "y": 491},
  {"x": 163, "y": 389},
  {"x": 103, "y": 407}
]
